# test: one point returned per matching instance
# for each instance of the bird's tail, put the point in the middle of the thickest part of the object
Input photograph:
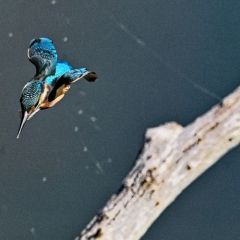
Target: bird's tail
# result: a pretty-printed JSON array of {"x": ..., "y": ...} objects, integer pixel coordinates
[{"x": 90, "y": 76}]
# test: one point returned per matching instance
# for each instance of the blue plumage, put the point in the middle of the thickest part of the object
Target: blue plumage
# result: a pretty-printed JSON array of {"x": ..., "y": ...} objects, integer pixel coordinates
[
  {"x": 31, "y": 93},
  {"x": 74, "y": 74},
  {"x": 61, "y": 68},
  {"x": 51, "y": 81},
  {"x": 43, "y": 55}
]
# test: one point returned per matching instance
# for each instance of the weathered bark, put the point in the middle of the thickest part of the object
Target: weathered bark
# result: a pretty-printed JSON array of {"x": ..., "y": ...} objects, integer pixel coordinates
[{"x": 172, "y": 157}]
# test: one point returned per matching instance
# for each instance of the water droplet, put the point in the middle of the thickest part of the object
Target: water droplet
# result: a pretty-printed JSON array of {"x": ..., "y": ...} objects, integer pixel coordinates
[
  {"x": 76, "y": 129},
  {"x": 97, "y": 128},
  {"x": 10, "y": 34},
  {"x": 80, "y": 112},
  {"x": 44, "y": 179},
  {"x": 93, "y": 119},
  {"x": 99, "y": 167},
  {"x": 65, "y": 39},
  {"x": 85, "y": 149},
  {"x": 140, "y": 42},
  {"x": 82, "y": 93},
  {"x": 32, "y": 230},
  {"x": 67, "y": 20},
  {"x": 53, "y": 2}
]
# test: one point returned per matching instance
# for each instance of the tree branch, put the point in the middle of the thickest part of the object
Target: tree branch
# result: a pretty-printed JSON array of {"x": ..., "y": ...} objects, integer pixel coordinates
[{"x": 172, "y": 157}]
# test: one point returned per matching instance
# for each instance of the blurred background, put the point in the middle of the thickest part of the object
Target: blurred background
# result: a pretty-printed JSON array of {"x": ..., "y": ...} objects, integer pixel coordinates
[{"x": 157, "y": 61}]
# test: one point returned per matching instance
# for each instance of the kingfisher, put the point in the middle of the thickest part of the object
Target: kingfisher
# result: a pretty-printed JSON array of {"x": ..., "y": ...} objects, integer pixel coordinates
[{"x": 51, "y": 81}]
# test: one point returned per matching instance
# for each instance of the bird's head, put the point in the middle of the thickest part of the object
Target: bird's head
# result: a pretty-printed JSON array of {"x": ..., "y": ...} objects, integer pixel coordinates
[{"x": 29, "y": 100}]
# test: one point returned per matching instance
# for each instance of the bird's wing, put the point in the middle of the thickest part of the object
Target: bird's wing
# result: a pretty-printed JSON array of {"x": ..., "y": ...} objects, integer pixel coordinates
[
  {"x": 43, "y": 55},
  {"x": 61, "y": 68},
  {"x": 31, "y": 94},
  {"x": 77, "y": 74},
  {"x": 71, "y": 77}
]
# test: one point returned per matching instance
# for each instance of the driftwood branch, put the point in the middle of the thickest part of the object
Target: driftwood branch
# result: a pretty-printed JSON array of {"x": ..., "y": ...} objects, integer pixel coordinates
[{"x": 172, "y": 157}]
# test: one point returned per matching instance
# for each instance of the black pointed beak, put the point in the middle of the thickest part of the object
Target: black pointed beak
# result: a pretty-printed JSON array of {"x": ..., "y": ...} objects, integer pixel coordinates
[{"x": 25, "y": 116}]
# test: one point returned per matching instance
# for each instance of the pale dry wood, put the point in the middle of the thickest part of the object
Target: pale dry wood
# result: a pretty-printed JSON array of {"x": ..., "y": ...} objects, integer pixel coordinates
[{"x": 172, "y": 157}]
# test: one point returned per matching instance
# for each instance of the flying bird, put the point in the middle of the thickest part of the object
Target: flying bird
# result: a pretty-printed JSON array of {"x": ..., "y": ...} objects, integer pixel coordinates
[{"x": 52, "y": 79}]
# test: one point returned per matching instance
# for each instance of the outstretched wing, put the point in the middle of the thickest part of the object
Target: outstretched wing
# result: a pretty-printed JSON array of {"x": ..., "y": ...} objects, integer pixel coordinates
[
  {"x": 61, "y": 68},
  {"x": 43, "y": 55},
  {"x": 71, "y": 77},
  {"x": 77, "y": 74},
  {"x": 31, "y": 94}
]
